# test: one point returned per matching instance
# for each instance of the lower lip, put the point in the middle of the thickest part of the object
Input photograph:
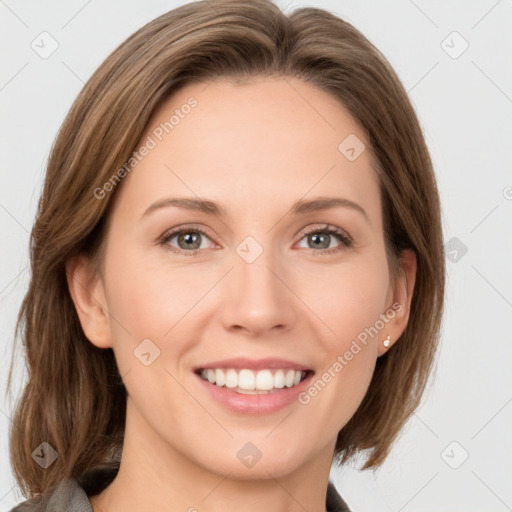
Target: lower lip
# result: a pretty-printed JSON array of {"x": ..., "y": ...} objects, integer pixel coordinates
[{"x": 255, "y": 404}]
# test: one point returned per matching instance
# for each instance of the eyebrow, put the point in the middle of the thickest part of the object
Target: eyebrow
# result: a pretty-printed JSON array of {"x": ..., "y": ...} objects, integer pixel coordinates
[{"x": 300, "y": 207}]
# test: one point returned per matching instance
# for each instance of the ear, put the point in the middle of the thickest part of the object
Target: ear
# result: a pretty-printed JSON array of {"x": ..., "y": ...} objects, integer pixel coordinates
[
  {"x": 400, "y": 304},
  {"x": 88, "y": 294}
]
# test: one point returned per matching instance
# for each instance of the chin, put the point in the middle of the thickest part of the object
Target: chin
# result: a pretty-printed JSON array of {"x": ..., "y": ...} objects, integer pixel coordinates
[{"x": 256, "y": 460}]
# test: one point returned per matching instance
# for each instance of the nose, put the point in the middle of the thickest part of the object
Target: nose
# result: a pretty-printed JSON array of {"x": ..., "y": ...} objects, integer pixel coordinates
[{"x": 258, "y": 297}]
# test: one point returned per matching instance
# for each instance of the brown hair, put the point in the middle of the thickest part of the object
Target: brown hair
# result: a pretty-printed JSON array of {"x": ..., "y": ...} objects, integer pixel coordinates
[{"x": 75, "y": 398}]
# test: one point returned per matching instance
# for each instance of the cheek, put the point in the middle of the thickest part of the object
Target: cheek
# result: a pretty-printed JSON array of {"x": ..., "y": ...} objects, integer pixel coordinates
[
  {"x": 339, "y": 387},
  {"x": 152, "y": 300},
  {"x": 348, "y": 298},
  {"x": 149, "y": 307},
  {"x": 349, "y": 303},
  {"x": 149, "y": 297}
]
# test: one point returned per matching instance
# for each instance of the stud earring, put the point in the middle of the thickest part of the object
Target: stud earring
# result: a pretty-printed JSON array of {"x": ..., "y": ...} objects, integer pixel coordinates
[{"x": 387, "y": 341}]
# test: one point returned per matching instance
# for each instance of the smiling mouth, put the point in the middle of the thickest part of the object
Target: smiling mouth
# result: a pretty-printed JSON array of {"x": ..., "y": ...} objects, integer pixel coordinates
[{"x": 251, "y": 382}]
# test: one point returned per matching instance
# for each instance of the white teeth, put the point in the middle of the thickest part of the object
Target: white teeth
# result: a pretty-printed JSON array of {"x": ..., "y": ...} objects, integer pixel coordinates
[
  {"x": 279, "y": 379},
  {"x": 246, "y": 379},
  {"x": 220, "y": 378},
  {"x": 249, "y": 382},
  {"x": 231, "y": 379},
  {"x": 265, "y": 381},
  {"x": 288, "y": 379}
]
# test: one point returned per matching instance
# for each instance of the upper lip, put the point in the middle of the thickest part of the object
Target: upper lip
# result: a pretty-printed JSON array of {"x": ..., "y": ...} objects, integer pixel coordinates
[{"x": 241, "y": 363}]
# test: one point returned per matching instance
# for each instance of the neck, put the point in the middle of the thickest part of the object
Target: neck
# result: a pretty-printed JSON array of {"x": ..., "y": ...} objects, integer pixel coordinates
[{"x": 154, "y": 476}]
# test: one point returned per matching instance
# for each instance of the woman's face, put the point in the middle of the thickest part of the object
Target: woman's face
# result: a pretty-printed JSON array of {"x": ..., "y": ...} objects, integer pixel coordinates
[{"x": 212, "y": 328}]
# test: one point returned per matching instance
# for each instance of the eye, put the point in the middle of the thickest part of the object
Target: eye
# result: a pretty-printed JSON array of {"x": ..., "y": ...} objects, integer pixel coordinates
[
  {"x": 321, "y": 238},
  {"x": 189, "y": 240}
]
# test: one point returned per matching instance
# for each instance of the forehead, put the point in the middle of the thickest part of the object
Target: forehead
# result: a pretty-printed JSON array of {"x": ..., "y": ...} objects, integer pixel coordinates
[
  {"x": 283, "y": 114},
  {"x": 269, "y": 139}
]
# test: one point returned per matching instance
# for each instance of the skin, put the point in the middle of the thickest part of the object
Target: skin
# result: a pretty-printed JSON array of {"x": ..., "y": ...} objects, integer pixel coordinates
[{"x": 255, "y": 149}]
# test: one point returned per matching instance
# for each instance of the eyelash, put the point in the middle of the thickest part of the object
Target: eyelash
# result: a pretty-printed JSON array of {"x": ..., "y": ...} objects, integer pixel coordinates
[{"x": 345, "y": 240}]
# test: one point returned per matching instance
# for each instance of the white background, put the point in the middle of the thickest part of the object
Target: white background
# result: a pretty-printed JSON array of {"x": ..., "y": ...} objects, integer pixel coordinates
[{"x": 464, "y": 105}]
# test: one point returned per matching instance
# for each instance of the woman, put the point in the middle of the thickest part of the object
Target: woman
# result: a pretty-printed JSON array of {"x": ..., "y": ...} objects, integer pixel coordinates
[{"x": 237, "y": 270}]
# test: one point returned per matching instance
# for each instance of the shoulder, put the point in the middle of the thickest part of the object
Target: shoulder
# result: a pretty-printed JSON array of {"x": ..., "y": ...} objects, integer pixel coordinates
[
  {"x": 68, "y": 496},
  {"x": 72, "y": 495},
  {"x": 334, "y": 502}
]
